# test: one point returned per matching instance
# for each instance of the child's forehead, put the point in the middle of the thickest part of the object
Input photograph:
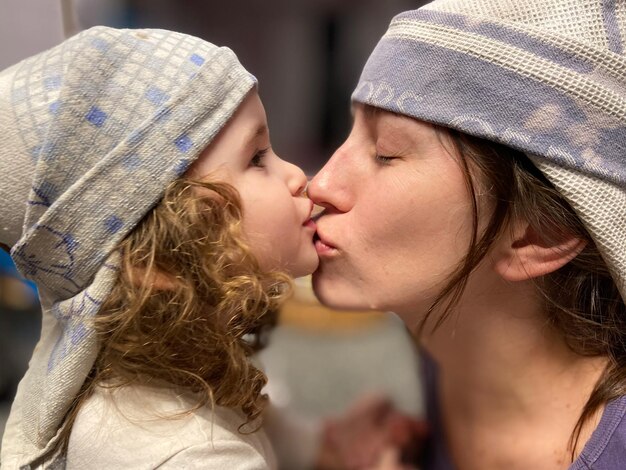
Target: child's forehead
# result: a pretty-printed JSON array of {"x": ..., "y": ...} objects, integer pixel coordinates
[{"x": 254, "y": 132}]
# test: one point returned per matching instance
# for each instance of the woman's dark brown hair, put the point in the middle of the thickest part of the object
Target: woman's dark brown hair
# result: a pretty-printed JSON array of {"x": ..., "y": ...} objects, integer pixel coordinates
[
  {"x": 581, "y": 300},
  {"x": 190, "y": 306}
]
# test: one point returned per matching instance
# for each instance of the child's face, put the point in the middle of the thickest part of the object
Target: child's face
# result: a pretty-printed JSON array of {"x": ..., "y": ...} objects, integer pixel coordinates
[{"x": 277, "y": 216}]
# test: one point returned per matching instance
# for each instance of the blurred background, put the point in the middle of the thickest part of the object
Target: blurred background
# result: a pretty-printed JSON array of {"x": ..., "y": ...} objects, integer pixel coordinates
[{"x": 307, "y": 55}]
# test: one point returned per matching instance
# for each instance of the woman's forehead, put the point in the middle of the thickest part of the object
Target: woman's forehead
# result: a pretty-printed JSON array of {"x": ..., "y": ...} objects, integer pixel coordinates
[
  {"x": 389, "y": 119},
  {"x": 372, "y": 112}
]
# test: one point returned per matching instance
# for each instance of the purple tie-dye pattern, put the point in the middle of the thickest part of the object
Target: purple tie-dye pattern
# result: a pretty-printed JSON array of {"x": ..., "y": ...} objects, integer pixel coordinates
[{"x": 505, "y": 102}]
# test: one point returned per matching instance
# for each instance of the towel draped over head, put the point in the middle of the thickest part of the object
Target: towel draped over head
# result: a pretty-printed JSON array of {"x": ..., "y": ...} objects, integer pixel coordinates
[
  {"x": 91, "y": 133},
  {"x": 546, "y": 77}
]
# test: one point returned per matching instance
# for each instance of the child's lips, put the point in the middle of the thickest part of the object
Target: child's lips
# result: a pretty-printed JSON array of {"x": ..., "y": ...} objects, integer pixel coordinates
[{"x": 314, "y": 211}]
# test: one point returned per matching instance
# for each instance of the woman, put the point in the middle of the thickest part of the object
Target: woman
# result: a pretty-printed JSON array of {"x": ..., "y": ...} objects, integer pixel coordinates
[{"x": 480, "y": 196}]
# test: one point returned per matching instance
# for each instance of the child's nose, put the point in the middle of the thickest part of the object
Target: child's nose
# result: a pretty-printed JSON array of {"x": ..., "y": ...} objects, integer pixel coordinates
[{"x": 296, "y": 179}]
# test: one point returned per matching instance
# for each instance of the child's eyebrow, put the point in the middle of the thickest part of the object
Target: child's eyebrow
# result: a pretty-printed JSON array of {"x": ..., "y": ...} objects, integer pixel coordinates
[{"x": 260, "y": 131}]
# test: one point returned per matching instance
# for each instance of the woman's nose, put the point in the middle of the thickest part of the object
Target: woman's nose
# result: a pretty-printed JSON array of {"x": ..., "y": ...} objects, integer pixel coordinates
[
  {"x": 318, "y": 187},
  {"x": 330, "y": 187}
]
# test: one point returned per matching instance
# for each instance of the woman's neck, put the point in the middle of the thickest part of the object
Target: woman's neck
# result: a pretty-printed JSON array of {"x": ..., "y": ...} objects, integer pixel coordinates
[{"x": 506, "y": 376}]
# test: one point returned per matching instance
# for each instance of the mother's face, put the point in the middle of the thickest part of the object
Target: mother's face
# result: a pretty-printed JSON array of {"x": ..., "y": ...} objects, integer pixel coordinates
[{"x": 398, "y": 216}]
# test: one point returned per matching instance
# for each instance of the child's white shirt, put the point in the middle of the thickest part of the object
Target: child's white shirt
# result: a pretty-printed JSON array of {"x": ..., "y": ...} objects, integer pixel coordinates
[{"x": 132, "y": 427}]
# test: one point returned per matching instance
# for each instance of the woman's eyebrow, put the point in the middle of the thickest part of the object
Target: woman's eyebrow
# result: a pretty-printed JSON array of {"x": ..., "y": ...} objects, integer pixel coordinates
[
  {"x": 368, "y": 110},
  {"x": 371, "y": 111}
]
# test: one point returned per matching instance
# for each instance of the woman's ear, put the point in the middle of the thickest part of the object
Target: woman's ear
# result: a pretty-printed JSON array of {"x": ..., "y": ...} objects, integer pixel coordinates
[{"x": 525, "y": 254}]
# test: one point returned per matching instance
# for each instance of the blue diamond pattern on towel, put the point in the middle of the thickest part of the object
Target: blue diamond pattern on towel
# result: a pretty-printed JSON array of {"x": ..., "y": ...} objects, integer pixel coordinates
[
  {"x": 131, "y": 161},
  {"x": 96, "y": 116},
  {"x": 53, "y": 82},
  {"x": 100, "y": 44},
  {"x": 182, "y": 166},
  {"x": 54, "y": 107},
  {"x": 156, "y": 95},
  {"x": 184, "y": 143},
  {"x": 197, "y": 59},
  {"x": 113, "y": 224}
]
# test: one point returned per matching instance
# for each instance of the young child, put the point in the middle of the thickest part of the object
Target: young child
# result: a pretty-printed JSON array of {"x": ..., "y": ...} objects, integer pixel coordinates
[{"x": 141, "y": 193}]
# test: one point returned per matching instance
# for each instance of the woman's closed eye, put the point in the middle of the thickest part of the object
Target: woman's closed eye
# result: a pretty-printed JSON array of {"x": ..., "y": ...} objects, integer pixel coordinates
[{"x": 384, "y": 159}]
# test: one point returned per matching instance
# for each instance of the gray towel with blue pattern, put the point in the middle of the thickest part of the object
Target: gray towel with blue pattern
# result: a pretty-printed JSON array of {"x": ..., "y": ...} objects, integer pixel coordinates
[{"x": 91, "y": 133}]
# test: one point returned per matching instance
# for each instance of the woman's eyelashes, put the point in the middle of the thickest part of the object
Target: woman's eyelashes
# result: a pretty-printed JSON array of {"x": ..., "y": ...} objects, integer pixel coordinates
[
  {"x": 383, "y": 159},
  {"x": 257, "y": 159}
]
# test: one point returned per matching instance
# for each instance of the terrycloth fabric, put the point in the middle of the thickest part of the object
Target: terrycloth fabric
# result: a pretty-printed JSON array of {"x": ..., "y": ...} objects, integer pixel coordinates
[
  {"x": 122, "y": 429},
  {"x": 91, "y": 133},
  {"x": 547, "y": 77}
]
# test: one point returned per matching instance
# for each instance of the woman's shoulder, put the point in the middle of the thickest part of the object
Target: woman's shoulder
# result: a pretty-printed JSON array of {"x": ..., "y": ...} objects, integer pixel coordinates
[
  {"x": 606, "y": 449},
  {"x": 148, "y": 427}
]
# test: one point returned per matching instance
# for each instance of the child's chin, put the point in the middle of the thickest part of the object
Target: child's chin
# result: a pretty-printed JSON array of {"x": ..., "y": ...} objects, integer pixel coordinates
[{"x": 304, "y": 268}]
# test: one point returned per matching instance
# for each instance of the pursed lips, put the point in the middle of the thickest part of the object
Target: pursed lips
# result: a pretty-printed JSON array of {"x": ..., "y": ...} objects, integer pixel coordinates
[{"x": 320, "y": 240}]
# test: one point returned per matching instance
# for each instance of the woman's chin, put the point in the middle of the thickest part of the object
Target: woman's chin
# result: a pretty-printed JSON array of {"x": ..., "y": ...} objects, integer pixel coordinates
[{"x": 331, "y": 295}]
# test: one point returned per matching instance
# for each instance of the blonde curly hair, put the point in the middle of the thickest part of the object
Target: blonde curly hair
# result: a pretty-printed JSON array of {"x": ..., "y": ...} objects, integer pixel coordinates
[{"x": 191, "y": 304}]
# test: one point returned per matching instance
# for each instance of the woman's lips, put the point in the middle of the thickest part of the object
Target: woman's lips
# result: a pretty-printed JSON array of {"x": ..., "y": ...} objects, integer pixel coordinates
[
  {"x": 322, "y": 247},
  {"x": 310, "y": 223}
]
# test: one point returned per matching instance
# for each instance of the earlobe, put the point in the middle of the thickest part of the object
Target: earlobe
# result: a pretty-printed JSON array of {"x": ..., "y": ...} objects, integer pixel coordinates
[{"x": 526, "y": 255}]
